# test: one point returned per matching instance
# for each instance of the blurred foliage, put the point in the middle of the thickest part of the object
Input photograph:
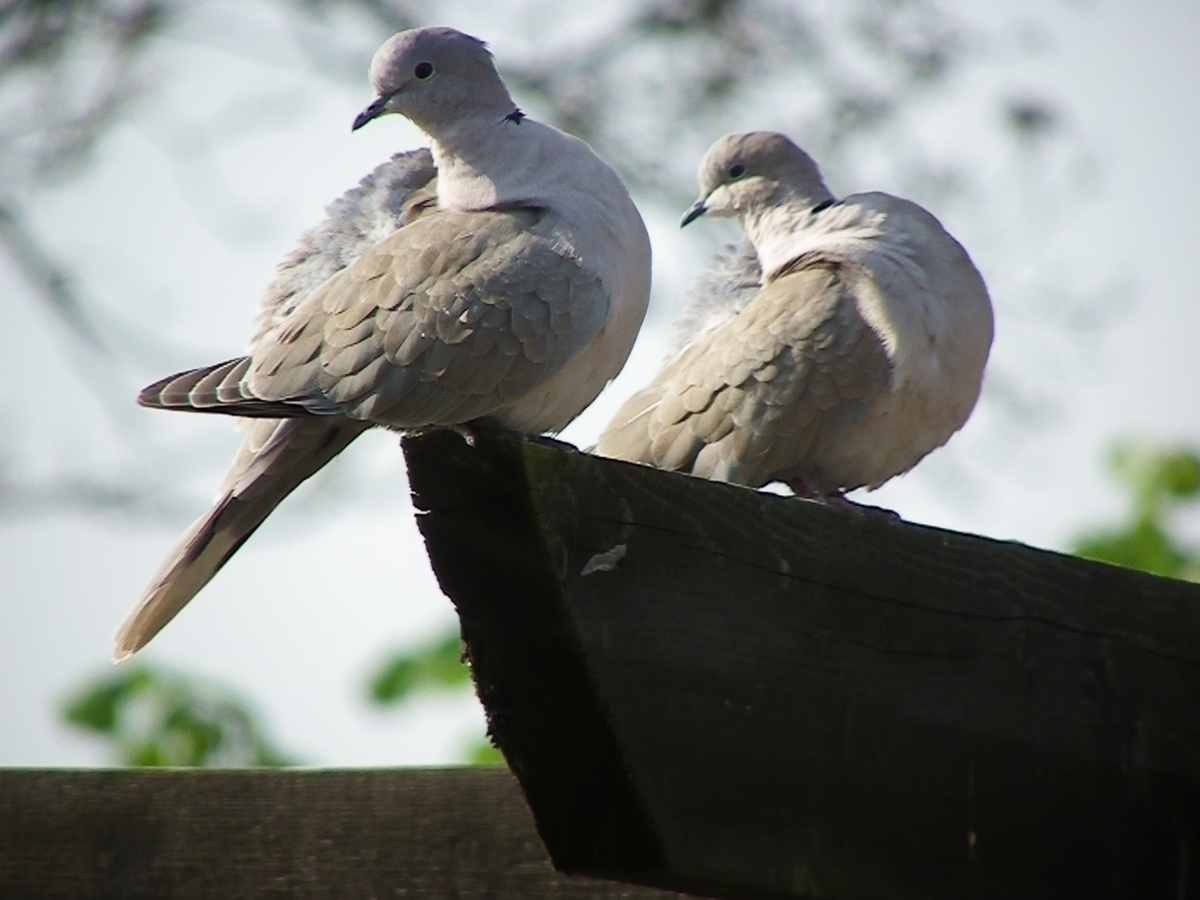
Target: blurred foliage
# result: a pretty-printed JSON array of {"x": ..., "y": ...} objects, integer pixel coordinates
[
  {"x": 1160, "y": 482},
  {"x": 151, "y": 717},
  {"x": 483, "y": 753},
  {"x": 435, "y": 666}
]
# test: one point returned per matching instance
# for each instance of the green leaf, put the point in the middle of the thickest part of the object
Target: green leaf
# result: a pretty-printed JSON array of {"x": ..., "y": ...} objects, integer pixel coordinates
[
  {"x": 96, "y": 707},
  {"x": 1180, "y": 474},
  {"x": 95, "y": 710},
  {"x": 1158, "y": 480},
  {"x": 1156, "y": 475},
  {"x": 395, "y": 681},
  {"x": 1143, "y": 546},
  {"x": 435, "y": 665},
  {"x": 152, "y": 717},
  {"x": 482, "y": 753}
]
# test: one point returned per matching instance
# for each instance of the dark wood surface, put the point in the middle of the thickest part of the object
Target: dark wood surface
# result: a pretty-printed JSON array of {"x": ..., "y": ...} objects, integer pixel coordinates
[
  {"x": 714, "y": 689},
  {"x": 156, "y": 835}
]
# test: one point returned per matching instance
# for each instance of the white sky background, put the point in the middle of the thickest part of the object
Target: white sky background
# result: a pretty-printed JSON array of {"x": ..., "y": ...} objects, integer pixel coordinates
[{"x": 297, "y": 619}]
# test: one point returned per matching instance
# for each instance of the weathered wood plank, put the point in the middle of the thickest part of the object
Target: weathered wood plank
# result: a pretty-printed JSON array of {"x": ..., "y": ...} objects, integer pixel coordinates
[
  {"x": 350, "y": 835},
  {"x": 705, "y": 687}
]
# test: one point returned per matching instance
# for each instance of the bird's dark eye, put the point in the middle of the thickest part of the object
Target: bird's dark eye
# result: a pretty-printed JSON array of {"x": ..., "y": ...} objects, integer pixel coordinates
[
  {"x": 423, "y": 71},
  {"x": 737, "y": 170}
]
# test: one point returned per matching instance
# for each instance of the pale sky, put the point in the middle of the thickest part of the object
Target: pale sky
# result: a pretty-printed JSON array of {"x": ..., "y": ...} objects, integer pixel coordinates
[{"x": 295, "y": 621}]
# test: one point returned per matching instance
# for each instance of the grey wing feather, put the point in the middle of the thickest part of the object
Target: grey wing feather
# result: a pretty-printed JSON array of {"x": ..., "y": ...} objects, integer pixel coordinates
[
  {"x": 197, "y": 388},
  {"x": 446, "y": 321},
  {"x": 724, "y": 289},
  {"x": 220, "y": 388},
  {"x": 749, "y": 400},
  {"x": 391, "y": 196}
]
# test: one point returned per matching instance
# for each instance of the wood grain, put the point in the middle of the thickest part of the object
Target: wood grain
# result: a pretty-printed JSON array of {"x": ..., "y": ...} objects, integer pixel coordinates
[
  {"x": 350, "y": 835},
  {"x": 708, "y": 688}
]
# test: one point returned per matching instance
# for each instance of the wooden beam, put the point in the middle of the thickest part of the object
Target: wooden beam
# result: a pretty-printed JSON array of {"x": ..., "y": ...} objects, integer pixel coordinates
[
  {"x": 351, "y": 835},
  {"x": 705, "y": 687}
]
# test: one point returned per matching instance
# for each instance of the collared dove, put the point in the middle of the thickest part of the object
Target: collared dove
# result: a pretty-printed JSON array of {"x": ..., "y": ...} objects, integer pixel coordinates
[
  {"x": 849, "y": 344},
  {"x": 500, "y": 277}
]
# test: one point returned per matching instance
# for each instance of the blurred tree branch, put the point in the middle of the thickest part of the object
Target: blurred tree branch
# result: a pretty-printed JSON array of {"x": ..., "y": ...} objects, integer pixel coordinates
[{"x": 69, "y": 69}]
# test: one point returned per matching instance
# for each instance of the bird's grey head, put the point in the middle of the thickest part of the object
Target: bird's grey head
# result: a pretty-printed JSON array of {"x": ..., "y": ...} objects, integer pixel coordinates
[
  {"x": 748, "y": 171},
  {"x": 435, "y": 76}
]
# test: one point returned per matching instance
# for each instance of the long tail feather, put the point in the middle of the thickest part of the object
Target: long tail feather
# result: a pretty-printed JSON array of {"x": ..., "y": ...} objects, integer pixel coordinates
[{"x": 275, "y": 459}]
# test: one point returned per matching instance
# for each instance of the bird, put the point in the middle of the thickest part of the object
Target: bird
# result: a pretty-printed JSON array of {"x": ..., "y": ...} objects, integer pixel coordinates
[
  {"x": 497, "y": 279},
  {"x": 841, "y": 345}
]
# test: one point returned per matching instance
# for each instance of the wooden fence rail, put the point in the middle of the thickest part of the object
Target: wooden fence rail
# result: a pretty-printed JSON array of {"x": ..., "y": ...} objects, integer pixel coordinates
[
  {"x": 707, "y": 689},
  {"x": 711, "y": 688},
  {"x": 303, "y": 835}
]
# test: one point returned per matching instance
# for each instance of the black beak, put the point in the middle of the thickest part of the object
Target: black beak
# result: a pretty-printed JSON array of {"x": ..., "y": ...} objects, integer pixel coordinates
[
  {"x": 374, "y": 111},
  {"x": 695, "y": 211}
]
